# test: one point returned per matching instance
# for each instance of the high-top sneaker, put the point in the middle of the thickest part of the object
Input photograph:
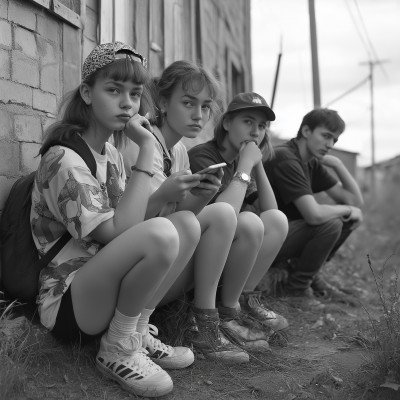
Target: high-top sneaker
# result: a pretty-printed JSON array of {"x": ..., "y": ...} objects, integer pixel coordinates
[
  {"x": 163, "y": 355},
  {"x": 211, "y": 342},
  {"x": 127, "y": 363},
  {"x": 250, "y": 302}
]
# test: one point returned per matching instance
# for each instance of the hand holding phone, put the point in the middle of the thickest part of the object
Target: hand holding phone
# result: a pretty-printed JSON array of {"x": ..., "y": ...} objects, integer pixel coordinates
[{"x": 209, "y": 186}]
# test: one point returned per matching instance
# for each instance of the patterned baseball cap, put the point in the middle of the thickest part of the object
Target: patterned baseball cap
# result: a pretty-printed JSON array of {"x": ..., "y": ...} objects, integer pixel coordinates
[
  {"x": 106, "y": 53},
  {"x": 251, "y": 100}
]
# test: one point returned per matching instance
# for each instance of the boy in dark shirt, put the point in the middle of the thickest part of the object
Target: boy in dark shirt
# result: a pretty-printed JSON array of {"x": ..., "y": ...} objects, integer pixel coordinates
[{"x": 316, "y": 231}]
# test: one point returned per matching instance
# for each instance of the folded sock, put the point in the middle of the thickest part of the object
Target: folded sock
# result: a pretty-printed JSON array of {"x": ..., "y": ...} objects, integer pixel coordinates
[
  {"x": 121, "y": 327},
  {"x": 144, "y": 320}
]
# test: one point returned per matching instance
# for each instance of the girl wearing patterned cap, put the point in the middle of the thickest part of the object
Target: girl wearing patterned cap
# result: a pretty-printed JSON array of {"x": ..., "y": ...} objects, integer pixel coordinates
[{"x": 115, "y": 268}]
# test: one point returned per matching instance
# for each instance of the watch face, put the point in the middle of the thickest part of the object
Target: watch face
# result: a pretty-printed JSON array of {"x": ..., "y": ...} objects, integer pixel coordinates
[{"x": 245, "y": 177}]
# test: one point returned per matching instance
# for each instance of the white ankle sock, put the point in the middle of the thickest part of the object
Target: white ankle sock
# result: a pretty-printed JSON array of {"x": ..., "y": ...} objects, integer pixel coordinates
[
  {"x": 144, "y": 320},
  {"x": 121, "y": 327}
]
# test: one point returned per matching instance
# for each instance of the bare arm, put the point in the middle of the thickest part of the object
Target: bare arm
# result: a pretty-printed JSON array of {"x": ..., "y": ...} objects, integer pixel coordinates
[
  {"x": 193, "y": 203},
  {"x": 133, "y": 203},
  {"x": 346, "y": 191},
  {"x": 201, "y": 194},
  {"x": 316, "y": 214},
  {"x": 250, "y": 155},
  {"x": 266, "y": 198}
]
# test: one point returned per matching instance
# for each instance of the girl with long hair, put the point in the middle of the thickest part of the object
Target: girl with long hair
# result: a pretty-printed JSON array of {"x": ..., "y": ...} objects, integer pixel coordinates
[
  {"x": 116, "y": 267},
  {"x": 241, "y": 139}
]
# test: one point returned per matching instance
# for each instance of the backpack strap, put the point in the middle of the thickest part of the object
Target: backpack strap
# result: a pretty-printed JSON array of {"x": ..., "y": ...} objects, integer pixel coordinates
[
  {"x": 46, "y": 259},
  {"x": 77, "y": 144}
]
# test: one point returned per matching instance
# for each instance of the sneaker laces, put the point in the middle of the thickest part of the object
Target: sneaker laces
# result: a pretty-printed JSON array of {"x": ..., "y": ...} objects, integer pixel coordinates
[
  {"x": 254, "y": 301},
  {"x": 132, "y": 346},
  {"x": 157, "y": 344}
]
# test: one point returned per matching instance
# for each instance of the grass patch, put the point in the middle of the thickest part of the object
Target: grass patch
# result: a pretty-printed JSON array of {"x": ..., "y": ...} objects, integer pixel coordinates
[{"x": 14, "y": 353}]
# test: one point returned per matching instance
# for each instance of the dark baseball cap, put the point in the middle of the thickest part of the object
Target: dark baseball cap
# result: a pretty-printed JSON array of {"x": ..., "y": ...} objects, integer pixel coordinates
[{"x": 251, "y": 100}]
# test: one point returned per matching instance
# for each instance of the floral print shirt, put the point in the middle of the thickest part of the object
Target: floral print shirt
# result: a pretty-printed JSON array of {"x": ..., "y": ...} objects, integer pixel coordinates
[{"x": 67, "y": 196}]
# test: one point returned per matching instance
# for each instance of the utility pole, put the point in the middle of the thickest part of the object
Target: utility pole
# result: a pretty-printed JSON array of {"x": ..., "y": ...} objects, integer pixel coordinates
[
  {"x": 314, "y": 55},
  {"x": 276, "y": 74},
  {"x": 371, "y": 65}
]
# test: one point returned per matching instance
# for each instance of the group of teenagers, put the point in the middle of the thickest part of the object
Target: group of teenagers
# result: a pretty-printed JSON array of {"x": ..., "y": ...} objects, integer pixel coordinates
[{"x": 151, "y": 226}]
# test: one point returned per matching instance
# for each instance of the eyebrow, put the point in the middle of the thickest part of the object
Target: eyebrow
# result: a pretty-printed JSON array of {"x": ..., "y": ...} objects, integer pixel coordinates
[
  {"x": 253, "y": 118},
  {"x": 119, "y": 84},
  {"x": 195, "y": 98},
  {"x": 331, "y": 135}
]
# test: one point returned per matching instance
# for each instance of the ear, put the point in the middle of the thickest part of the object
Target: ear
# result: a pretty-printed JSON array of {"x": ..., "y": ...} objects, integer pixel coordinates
[
  {"x": 85, "y": 92},
  {"x": 163, "y": 104},
  {"x": 306, "y": 131},
  {"x": 226, "y": 123}
]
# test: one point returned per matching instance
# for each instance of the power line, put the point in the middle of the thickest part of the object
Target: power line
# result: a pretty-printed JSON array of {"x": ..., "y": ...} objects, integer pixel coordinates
[
  {"x": 369, "y": 40},
  {"x": 348, "y": 91},
  {"x": 366, "y": 47}
]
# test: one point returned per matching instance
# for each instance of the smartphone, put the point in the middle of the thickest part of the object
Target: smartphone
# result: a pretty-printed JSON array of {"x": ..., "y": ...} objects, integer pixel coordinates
[{"x": 212, "y": 169}]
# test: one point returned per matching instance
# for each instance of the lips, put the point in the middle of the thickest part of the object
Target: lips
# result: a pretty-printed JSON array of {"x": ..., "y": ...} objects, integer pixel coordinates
[
  {"x": 196, "y": 126},
  {"x": 124, "y": 116}
]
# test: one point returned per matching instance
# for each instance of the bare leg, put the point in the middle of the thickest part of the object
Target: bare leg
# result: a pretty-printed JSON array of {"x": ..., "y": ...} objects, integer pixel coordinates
[
  {"x": 125, "y": 274},
  {"x": 275, "y": 231},
  {"x": 218, "y": 225},
  {"x": 189, "y": 232},
  {"x": 242, "y": 256}
]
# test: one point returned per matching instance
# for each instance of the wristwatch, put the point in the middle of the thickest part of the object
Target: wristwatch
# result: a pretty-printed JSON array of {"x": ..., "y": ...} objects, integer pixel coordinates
[{"x": 242, "y": 176}]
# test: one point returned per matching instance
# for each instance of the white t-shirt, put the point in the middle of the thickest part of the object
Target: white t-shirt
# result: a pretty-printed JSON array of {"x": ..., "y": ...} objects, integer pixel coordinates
[
  {"x": 179, "y": 158},
  {"x": 67, "y": 196}
]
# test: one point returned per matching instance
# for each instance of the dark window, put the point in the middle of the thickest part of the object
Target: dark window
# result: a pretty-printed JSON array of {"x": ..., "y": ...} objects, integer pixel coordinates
[
  {"x": 237, "y": 82},
  {"x": 74, "y": 5}
]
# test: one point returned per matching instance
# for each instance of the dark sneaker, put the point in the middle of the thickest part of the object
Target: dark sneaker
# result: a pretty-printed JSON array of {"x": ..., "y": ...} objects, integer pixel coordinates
[
  {"x": 244, "y": 330},
  {"x": 208, "y": 339},
  {"x": 304, "y": 293},
  {"x": 126, "y": 363},
  {"x": 250, "y": 302},
  {"x": 163, "y": 355},
  {"x": 322, "y": 288}
]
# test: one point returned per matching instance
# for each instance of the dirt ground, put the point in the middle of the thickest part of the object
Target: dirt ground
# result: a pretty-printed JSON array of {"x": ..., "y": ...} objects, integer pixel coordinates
[{"x": 320, "y": 356}]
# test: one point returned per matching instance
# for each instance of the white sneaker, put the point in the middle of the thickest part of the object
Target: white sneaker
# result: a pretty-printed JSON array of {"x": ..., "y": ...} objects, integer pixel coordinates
[
  {"x": 163, "y": 355},
  {"x": 126, "y": 362}
]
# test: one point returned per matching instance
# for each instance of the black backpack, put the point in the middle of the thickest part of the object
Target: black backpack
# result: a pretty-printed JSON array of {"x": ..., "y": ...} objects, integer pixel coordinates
[{"x": 20, "y": 263}]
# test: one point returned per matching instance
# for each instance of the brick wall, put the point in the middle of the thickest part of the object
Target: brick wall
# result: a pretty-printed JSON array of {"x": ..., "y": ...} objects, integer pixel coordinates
[
  {"x": 40, "y": 60},
  {"x": 30, "y": 86}
]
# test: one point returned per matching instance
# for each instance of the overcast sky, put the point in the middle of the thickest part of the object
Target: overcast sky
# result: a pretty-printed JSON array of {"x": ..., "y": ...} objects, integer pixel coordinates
[{"x": 340, "y": 52}]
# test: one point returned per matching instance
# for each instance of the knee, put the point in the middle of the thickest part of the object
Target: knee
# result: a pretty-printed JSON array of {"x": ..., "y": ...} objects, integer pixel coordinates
[
  {"x": 189, "y": 225},
  {"x": 275, "y": 223},
  {"x": 223, "y": 216},
  {"x": 163, "y": 241},
  {"x": 332, "y": 227},
  {"x": 250, "y": 227}
]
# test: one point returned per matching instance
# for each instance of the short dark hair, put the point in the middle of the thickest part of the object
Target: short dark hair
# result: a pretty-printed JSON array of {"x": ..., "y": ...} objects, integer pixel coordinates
[{"x": 325, "y": 117}]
